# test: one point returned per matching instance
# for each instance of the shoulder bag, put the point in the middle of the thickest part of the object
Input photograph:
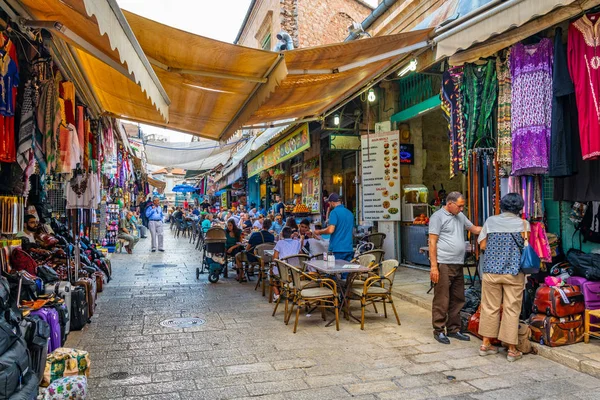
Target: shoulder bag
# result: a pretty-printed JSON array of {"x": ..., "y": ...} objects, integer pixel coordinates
[{"x": 530, "y": 262}]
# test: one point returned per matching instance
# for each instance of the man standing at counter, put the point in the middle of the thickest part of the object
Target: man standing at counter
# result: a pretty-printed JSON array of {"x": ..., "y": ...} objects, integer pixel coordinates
[
  {"x": 447, "y": 255},
  {"x": 341, "y": 225}
]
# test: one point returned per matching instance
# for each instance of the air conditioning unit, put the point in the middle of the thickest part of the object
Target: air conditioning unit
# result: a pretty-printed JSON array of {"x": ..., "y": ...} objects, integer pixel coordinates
[{"x": 385, "y": 126}]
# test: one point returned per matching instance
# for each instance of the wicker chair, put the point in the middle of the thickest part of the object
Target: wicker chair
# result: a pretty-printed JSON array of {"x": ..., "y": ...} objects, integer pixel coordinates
[
  {"x": 376, "y": 238},
  {"x": 378, "y": 253},
  {"x": 325, "y": 295},
  {"x": 265, "y": 265},
  {"x": 283, "y": 280},
  {"x": 376, "y": 289},
  {"x": 297, "y": 260}
]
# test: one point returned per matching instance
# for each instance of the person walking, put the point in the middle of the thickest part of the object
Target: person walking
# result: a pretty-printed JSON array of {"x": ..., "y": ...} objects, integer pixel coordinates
[
  {"x": 341, "y": 225},
  {"x": 502, "y": 238},
  {"x": 447, "y": 258},
  {"x": 126, "y": 232},
  {"x": 155, "y": 224}
]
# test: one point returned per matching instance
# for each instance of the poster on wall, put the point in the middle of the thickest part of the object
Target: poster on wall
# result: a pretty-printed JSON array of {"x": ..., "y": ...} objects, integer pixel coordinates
[
  {"x": 381, "y": 176},
  {"x": 311, "y": 186},
  {"x": 224, "y": 203}
]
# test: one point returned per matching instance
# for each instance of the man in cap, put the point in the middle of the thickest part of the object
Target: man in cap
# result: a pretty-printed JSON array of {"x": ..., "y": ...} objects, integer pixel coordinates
[{"x": 155, "y": 224}]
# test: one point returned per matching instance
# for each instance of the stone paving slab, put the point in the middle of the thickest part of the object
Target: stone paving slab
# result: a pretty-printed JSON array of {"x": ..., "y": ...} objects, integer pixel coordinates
[{"x": 242, "y": 352}]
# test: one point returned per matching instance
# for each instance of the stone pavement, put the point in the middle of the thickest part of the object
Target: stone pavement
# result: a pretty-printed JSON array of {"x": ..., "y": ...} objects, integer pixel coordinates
[
  {"x": 243, "y": 352},
  {"x": 412, "y": 285}
]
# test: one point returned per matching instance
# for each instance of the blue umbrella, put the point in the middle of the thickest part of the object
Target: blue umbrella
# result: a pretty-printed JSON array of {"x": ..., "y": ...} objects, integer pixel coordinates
[{"x": 184, "y": 188}]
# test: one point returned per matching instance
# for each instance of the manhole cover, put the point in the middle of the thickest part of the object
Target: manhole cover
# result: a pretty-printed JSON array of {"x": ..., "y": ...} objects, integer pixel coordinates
[
  {"x": 182, "y": 322},
  {"x": 163, "y": 265},
  {"x": 118, "y": 376}
]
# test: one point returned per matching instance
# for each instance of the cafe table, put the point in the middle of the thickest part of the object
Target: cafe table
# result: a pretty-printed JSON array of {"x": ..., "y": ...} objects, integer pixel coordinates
[{"x": 335, "y": 270}]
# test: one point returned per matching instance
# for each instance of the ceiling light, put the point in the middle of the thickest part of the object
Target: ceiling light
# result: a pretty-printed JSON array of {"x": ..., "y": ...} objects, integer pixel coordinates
[
  {"x": 336, "y": 120},
  {"x": 371, "y": 96},
  {"x": 412, "y": 66}
]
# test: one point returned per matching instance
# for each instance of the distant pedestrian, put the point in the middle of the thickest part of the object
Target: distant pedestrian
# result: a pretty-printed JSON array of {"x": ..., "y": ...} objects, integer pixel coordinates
[
  {"x": 155, "y": 224},
  {"x": 447, "y": 257}
]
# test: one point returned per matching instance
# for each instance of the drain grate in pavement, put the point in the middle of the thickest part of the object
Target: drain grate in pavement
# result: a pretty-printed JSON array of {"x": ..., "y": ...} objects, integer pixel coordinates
[
  {"x": 117, "y": 376},
  {"x": 182, "y": 322},
  {"x": 163, "y": 265}
]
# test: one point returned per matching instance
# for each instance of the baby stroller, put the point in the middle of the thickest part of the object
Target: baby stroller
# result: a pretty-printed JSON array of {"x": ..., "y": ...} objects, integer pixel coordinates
[{"x": 214, "y": 256}]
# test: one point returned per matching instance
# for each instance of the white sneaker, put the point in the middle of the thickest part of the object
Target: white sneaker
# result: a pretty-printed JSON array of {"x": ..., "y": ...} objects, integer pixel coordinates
[{"x": 275, "y": 297}]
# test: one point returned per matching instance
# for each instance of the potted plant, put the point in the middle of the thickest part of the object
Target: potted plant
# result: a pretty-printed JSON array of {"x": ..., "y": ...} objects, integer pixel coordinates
[
  {"x": 278, "y": 174},
  {"x": 264, "y": 175}
]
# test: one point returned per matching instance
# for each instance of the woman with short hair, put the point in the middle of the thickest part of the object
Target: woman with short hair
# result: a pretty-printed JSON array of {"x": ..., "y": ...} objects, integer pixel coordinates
[{"x": 502, "y": 237}]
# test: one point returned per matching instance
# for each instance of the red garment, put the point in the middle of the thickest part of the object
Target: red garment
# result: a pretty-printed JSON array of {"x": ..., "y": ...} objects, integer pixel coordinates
[
  {"x": 8, "y": 149},
  {"x": 584, "y": 68},
  {"x": 80, "y": 126}
]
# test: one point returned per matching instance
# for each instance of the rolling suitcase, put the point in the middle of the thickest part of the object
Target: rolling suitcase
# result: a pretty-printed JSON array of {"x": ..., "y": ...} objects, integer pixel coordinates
[
  {"x": 63, "y": 290},
  {"x": 64, "y": 320},
  {"x": 79, "y": 308},
  {"x": 552, "y": 331},
  {"x": 558, "y": 302},
  {"x": 50, "y": 315},
  {"x": 99, "y": 276},
  {"x": 89, "y": 285}
]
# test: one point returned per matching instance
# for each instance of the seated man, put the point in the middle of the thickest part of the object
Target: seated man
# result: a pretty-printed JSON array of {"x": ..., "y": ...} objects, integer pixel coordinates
[
  {"x": 277, "y": 226},
  {"x": 30, "y": 229},
  {"x": 126, "y": 232},
  {"x": 285, "y": 247},
  {"x": 304, "y": 233},
  {"x": 141, "y": 229},
  {"x": 260, "y": 237}
]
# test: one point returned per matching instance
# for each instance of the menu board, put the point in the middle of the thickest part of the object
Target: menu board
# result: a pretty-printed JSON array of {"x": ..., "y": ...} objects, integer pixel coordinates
[
  {"x": 311, "y": 177},
  {"x": 381, "y": 176}
]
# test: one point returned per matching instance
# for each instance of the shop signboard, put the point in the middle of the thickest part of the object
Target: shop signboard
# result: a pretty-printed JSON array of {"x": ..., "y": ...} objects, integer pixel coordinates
[
  {"x": 381, "y": 176},
  {"x": 224, "y": 204},
  {"x": 283, "y": 150},
  {"x": 344, "y": 142}
]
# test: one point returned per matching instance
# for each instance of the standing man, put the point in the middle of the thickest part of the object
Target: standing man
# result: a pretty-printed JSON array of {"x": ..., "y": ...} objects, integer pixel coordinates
[
  {"x": 341, "y": 225},
  {"x": 447, "y": 255},
  {"x": 279, "y": 207},
  {"x": 155, "y": 224}
]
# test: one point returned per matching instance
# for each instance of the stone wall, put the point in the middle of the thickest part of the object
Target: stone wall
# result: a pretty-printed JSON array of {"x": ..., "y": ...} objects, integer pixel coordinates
[
  {"x": 263, "y": 18},
  {"x": 327, "y": 21}
]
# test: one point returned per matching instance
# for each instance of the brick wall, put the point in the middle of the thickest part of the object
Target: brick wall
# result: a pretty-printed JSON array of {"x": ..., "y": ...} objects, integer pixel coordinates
[{"x": 327, "y": 21}]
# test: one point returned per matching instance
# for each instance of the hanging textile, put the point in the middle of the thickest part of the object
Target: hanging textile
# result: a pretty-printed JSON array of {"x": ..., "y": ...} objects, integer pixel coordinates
[
  {"x": 583, "y": 186},
  {"x": 83, "y": 191},
  {"x": 539, "y": 242},
  {"x": 70, "y": 154},
  {"x": 483, "y": 185},
  {"x": 86, "y": 143},
  {"x": 531, "y": 189},
  {"x": 452, "y": 107},
  {"x": 480, "y": 88},
  {"x": 11, "y": 214},
  {"x": 9, "y": 81},
  {"x": 584, "y": 63},
  {"x": 48, "y": 121},
  {"x": 504, "y": 106},
  {"x": 26, "y": 129},
  {"x": 531, "y": 70},
  {"x": 67, "y": 93},
  {"x": 565, "y": 149}
]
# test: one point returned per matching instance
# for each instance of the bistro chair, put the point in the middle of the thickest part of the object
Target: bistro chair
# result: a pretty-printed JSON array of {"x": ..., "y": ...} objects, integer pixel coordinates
[
  {"x": 376, "y": 238},
  {"x": 297, "y": 260},
  {"x": 378, "y": 253},
  {"x": 376, "y": 289},
  {"x": 194, "y": 231},
  {"x": 265, "y": 265},
  {"x": 325, "y": 295},
  {"x": 283, "y": 281},
  {"x": 200, "y": 241}
]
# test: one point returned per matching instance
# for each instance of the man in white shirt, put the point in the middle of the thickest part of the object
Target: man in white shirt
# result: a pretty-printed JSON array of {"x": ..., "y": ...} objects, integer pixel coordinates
[{"x": 258, "y": 224}]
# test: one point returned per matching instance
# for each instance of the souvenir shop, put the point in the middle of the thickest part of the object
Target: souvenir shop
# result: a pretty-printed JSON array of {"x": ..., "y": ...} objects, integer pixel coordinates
[
  {"x": 66, "y": 175},
  {"x": 525, "y": 120}
]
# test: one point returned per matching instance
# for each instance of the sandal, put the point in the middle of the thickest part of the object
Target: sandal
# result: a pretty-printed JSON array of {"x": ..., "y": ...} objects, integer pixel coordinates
[
  {"x": 487, "y": 350},
  {"x": 514, "y": 356}
]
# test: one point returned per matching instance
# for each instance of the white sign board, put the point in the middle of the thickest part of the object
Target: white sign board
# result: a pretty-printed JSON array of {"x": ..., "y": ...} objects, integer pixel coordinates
[{"x": 381, "y": 176}]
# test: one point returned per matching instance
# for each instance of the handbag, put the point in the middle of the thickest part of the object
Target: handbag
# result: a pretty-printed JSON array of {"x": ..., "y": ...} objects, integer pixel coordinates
[{"x": 530, "y": 262}]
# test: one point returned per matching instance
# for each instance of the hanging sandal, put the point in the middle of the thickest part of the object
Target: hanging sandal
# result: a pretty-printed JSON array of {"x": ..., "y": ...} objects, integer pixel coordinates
[
  {"x": 514, "y": 356},
  {"x": 487, "y": 350}
]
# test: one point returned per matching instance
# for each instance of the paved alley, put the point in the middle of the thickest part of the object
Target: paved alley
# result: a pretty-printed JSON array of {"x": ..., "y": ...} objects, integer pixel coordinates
[{"x": 241, "y": 351}]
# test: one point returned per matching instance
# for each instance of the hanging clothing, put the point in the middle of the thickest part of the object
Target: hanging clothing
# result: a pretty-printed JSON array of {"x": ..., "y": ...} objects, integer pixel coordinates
[
  {"x": 48, "y": 121},
  {"x": 83, "y": 191},
  {"x": 583, "y": 186},
  {"x": 67, "y": 93},
  {"x": 564, "y": 138},
  {"x": 27, "y": 128},
  {"x": 504, "y": 106},
  {"x": 584, "y": 67},
  {"x": 539, "y": 242},
  {"x": 452, "y": 107},
  {"x": 480, "y": 88},
  {"x": 9, "y": 81},
  {"x": 531, "y": 70},
  {"x": 70, "y": 151}
]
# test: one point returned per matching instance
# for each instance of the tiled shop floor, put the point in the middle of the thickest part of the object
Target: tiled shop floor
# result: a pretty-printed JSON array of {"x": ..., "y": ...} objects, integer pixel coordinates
[{"x": 241, "y": 351}]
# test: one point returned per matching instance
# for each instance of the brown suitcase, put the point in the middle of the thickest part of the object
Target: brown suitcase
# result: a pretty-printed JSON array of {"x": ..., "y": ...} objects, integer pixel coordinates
[
  {"x": 99, "y": 277},
  {"x": 90, "y": 295},
  {"x": 558, "y": 301},
  {"x": 553, "y": 331}
]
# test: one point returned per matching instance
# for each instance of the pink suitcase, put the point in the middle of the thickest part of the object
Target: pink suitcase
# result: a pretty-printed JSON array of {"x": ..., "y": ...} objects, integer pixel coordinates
[{"x": 591, "y": 294}]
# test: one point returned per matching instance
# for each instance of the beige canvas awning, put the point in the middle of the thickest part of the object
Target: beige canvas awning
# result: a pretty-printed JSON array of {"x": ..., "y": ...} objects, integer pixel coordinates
[
  {"x": 105, "y": 49},
  {"x": 216, "y": 88}
]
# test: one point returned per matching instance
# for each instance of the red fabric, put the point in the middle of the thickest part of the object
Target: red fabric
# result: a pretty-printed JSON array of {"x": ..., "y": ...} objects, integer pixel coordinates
[
  {"x": 20, "y": 261},
  {"x": 584, "y": 68},
  {"x": 8, "y": 149}
]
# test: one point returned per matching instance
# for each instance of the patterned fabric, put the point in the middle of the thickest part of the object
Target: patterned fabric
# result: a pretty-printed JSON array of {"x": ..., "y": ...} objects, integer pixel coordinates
[
  {"x": 539, "y": 242},
  {"x": 452, "y": 107},
  {"x": 480, "y": 90},
  {"x": 26, "y": 129},
  {"x": 531, "y": 70},
  {"x": 65, "y": 362},
  {"x": 504, "y": 101},
  {"x": 48, "y": 121},
  {"x": 68, "y": 388},
  {"x": 502, "y": 255}
]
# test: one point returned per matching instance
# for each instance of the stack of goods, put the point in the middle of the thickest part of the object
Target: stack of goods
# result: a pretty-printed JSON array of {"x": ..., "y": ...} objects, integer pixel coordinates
[
  {"x": 301, "y": 209},
  {"x": 112, "y": 226},
  {"x": 557, "y": 317}
]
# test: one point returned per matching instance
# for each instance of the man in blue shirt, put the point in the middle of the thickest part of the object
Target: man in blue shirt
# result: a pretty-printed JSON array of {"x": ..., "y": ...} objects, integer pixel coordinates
[
  {"x": 155, "y": 224},
  {"x": 279, "y": 207},
  {"x": 341, "y": 226},
  {"x": 277, "y": 225}
]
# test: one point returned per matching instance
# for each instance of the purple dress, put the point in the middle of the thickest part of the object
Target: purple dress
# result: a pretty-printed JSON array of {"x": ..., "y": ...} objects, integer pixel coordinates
[{"x": 531, "y": 70}]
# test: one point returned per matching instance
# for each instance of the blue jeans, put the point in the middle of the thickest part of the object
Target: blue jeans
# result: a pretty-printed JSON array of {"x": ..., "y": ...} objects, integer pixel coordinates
[{"x": 343, "y": 255}]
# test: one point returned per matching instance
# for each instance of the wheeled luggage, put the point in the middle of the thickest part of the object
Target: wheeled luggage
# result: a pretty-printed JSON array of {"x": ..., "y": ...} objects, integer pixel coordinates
[
  {"x": 79, "y": 308},
  {"x": 14, "y": 365},
  {"x": 50, "y": 315},
  {"x": 63, "y": 290},
  {"x": 590, "y": 290},
  {"x": 89, "y": 286},
  {"x": 552, "y": 331},
  {"x": 559, "y": 301}
]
